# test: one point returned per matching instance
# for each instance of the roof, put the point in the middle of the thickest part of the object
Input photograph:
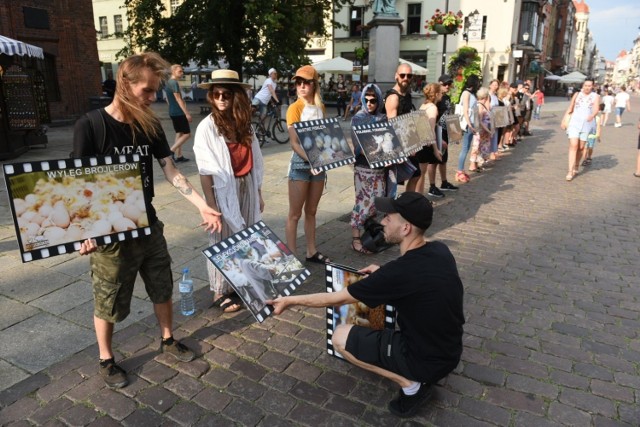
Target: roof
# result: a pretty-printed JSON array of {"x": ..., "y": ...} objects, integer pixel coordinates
[{"x": 581, "y": 6}]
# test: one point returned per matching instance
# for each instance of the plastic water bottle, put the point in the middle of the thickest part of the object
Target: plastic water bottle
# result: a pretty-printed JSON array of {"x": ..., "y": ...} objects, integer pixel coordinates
[{"x": 187, "y": 306}]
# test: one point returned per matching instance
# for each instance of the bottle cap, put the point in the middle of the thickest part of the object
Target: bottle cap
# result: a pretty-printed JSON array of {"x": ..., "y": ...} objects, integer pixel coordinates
[{"x": 186, "y": 270}]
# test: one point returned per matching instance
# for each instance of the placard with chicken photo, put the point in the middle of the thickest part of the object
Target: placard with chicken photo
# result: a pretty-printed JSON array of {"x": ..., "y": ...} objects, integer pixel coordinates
[
  {"x": 324, "y": 144},
  {"x": 425, "y": 133},
  {"x": 405, "y": 127},
  {"x": 57, "y": 204},
  {"x": 379, "y": 144},
  {"x": 500, "y": 115},
  {"x": 338, "y": 277},
  {"x": 258, "y": 266}
]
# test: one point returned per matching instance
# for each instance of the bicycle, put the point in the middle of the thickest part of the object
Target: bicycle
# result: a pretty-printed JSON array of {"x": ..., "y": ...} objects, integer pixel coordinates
[{"x": 274, "y": 127}]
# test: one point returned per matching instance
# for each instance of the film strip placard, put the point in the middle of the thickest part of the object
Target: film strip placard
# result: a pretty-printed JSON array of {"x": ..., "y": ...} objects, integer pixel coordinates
[
  {"x": 324, "y": 143},
  {"x": 258, "y": 266},
  {"x": 405, "y": 127},
  {"x": 426, "y": 133},
  {"x": 337, "y": 277},
  {"x": 57, "y": 204},
  {"x": 379, "y": 143}
]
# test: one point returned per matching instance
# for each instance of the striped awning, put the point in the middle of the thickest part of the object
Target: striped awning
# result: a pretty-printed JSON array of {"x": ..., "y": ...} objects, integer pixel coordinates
[{"x": 14, "y": 47}]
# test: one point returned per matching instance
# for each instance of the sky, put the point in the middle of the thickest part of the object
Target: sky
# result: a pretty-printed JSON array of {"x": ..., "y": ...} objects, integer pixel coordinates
[{"x": 614, "y": 24}]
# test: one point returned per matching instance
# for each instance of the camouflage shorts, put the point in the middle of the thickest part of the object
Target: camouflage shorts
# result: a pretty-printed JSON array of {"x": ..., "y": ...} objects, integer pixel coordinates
[{"x": 114, "y": 268}]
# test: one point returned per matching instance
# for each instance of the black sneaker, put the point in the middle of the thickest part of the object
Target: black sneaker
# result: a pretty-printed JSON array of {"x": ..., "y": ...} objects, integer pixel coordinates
[
  {"x": 434, "y": 192},
  {"x": 113, "y": 375},
  {"x": 182, "y": 159},
  {"x": 406, "y": 406},
  {"x": 447, "y": 186},
  {"x": 178, "y": 350}
]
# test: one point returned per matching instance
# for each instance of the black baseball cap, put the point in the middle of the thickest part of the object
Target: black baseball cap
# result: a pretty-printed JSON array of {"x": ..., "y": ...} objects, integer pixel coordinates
[
  {"x": 445, "y": 78},
  {"x": 412, "y": 206}
]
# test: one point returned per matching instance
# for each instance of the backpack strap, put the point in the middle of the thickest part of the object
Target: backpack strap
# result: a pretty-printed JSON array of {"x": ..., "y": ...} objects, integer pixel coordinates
[{"x": 99, "y": 129}]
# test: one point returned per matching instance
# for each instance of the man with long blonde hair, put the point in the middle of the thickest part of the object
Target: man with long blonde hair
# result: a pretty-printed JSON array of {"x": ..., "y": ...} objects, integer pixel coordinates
[{"x": 131, "y": 127}]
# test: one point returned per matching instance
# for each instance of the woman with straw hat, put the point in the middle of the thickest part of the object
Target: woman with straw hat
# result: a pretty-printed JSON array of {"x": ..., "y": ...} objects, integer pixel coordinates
[
  {"x": 231, "y": 168},
  {"x": 305, "y": 188}
]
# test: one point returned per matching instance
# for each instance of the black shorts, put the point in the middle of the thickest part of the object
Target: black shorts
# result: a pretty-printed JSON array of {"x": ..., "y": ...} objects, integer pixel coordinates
[
  {"x": 427, "y": 156},
  {"x": 415, "y": 162},
  {"x": 181, "y": 124},
  {"x": 386, "y": 349}
]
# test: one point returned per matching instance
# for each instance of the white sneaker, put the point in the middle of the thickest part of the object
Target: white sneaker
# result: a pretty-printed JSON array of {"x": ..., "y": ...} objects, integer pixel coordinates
[{"x": 618, "y": 125}]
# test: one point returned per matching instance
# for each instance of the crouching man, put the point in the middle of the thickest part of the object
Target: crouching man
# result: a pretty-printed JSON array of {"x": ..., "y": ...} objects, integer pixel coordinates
[{"x": 424, "y": 286}]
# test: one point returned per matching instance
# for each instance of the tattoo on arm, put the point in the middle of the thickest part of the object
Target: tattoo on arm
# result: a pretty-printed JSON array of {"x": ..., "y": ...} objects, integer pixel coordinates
[
  {"x": 182, "y": 184},
  {"x": 162, "y": 163}
]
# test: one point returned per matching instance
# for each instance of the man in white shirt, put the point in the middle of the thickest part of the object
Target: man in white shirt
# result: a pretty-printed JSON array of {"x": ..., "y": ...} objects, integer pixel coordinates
[
  {"x": 264, "y": 95},
  {"x": 622, "y": 103}
]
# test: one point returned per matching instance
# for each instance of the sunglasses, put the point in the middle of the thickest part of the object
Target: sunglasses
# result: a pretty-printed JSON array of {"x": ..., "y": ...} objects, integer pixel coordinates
[
  {"x": 446, "y": 83},
  {"x": 405, "y": 75},
  {"x": 371, "y": 100},
  {"x": 300, "y": 82},
  {"x": 222, "y": 94}
]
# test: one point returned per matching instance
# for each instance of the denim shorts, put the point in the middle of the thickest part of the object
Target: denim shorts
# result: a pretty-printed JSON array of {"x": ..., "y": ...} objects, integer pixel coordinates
[
  {"x": 591, "y": 141},
  {"x": 573, "y": 133},
  {"x": 619, "y": 111},
  {"x": 305, "y": 175}
]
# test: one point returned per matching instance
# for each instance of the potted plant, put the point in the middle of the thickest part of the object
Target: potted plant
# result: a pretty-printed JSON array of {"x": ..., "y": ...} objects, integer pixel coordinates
[{"x": 445, "y": 23}]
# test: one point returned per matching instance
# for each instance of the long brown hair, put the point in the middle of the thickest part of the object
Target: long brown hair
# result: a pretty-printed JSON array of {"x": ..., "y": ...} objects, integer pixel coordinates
[
  {"x": 235, "y": 123},
  {"x": 140, "y": 117}
]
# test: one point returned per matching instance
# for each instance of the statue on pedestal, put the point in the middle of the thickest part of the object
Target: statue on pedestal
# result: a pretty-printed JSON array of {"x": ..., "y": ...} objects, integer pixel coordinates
[{"x": 385, "y": 7}]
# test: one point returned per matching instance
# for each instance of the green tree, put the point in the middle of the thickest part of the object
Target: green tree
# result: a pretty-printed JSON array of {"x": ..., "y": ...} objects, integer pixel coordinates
[{"x": 252, "y": 35}]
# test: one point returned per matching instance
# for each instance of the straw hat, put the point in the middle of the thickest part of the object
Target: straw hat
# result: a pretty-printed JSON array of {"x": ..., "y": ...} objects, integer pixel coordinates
[{"x": 224, "y": 77}]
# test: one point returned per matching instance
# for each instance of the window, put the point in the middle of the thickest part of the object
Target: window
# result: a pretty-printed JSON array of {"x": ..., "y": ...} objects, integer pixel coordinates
[
  {"x": 117, "y": 24},
  {"x": 104, "y": 29},
  {"x": 35, "y": 18},
  {"x": 174, "y": 5},
  {"x": 356, "y": 21},
  {"x": 414, "y": 18},
  {"x": 417, "y": 57}
]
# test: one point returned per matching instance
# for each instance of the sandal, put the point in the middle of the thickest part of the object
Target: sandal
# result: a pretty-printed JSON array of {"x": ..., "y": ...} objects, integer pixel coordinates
[
  {"x": 362, "y": 249},
  {"x": 570, "y": 176},
  {"x": 318, "y": 258},
  {"x": 462, "y": 177},
  {"x": 227, "y": 302}
]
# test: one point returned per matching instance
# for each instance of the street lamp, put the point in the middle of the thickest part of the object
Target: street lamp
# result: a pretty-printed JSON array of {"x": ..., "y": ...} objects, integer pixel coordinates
[{"x": 525, "y": 36}]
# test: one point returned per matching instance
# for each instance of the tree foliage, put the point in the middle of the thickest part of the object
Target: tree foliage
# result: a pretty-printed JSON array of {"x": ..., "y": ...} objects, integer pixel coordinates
[{"x": 251, "y": 35}]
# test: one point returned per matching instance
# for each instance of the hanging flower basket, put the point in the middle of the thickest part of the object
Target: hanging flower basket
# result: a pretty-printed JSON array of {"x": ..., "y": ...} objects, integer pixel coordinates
[
  {"x": 443, "y": 29},
  {"x": 444, "y": 23}
]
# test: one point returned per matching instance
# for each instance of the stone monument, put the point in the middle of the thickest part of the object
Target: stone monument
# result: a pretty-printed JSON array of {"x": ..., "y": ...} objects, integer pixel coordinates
[{"x": 384, "y": 43}]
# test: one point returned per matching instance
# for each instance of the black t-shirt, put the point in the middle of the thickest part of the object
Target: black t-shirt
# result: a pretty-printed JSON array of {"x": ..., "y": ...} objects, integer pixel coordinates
[
  {"x": 119, "y": 140},
  {"x": 425, "y": 288}
]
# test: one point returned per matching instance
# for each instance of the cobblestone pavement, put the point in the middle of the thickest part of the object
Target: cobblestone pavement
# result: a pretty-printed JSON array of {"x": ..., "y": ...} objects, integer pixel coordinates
[{"x": 552, "y": 305}]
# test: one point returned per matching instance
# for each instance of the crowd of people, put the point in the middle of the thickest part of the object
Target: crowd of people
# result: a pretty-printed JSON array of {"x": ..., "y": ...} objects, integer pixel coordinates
[{"x": 423, "y": 284}]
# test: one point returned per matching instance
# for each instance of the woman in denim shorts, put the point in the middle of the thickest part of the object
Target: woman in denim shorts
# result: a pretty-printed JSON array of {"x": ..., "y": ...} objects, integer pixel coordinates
[{"x": 305, "y": 188}]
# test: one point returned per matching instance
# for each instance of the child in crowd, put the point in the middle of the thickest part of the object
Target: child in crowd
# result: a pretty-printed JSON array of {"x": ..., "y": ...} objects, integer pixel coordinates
[{"x": 593, "y": 136}]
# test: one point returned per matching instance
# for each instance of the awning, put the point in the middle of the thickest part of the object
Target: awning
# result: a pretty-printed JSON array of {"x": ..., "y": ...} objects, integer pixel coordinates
[{"x": 13, "y": 47}]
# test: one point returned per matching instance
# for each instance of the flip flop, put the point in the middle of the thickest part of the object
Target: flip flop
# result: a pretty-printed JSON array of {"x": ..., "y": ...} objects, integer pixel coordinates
[
  {"x": 362, "y": 249},
  {"x": 318, "y": 258},
  {"x": 228, "y": 300}
]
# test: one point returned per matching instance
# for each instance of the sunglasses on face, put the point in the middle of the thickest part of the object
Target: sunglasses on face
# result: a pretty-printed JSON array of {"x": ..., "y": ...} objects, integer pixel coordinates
[
  {"x": 222, "y": 94},
  {"x": 405, "y": 75},
  {"x": 371, "y": 100},
  {"x": 301, "y": 82}
]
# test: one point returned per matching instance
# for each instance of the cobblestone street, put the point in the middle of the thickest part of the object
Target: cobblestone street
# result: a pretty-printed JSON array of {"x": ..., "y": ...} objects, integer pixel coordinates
[{"x": 552, "y": 303}]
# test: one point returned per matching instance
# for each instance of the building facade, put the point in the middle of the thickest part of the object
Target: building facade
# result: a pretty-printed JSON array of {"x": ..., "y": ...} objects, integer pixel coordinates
[{"x": 65, "y": 32}]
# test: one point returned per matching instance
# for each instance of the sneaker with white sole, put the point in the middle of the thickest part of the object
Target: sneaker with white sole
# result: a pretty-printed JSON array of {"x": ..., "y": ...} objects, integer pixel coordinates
[
  {"x": 447, "y": 186},
  {"x": 434, "y": 192}
]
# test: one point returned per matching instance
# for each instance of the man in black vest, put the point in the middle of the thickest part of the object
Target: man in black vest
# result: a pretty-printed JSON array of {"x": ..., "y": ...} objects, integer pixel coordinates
[{"x": 397, "y": 101}]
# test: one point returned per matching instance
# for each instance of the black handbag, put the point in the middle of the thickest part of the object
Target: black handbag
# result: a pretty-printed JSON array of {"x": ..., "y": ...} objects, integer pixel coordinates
[{"x": 372, "y": 237}]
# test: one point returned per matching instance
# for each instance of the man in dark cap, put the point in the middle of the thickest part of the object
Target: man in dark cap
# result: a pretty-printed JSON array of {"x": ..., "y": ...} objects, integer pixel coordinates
[{"x": 424, "y": 286}]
